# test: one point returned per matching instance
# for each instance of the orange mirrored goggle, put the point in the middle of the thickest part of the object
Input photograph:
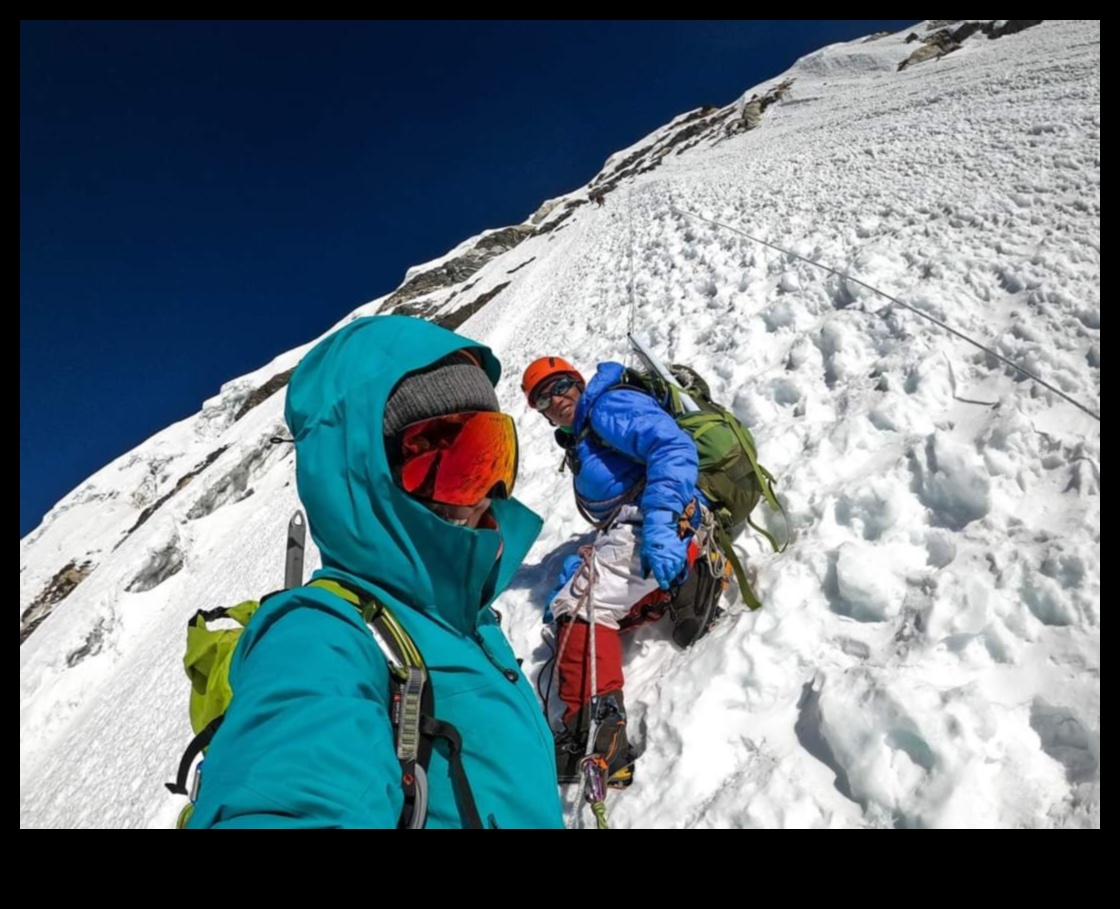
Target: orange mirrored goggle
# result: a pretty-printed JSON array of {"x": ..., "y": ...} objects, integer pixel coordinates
[{"x": 459, "y": 459}]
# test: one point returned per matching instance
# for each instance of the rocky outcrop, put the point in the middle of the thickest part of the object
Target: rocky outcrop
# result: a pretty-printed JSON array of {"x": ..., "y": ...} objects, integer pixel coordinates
[
  {"x": 934, "y": 47},
  {"x": 183, "y": 482},
  {"x": 1001, "y": 27},
  {"x": 947, "y": 35},
  {"x": 264, "y": 392},
  {"x": 751, "y": 115},
  {"x": 59, "y": 588},
  {"x": 91, "y": 646},
  {"x": 458, "y": 269},
  {"x": 162, "y": 563},
  {"x": 457, "y": 318},
  {"x": 235, "y": 481}
]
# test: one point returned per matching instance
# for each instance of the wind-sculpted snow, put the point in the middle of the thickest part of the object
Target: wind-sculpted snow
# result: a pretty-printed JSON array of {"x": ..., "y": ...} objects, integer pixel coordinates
[
  {"x": 165, "y": 559},
  {"x": 928, "y": 651}
]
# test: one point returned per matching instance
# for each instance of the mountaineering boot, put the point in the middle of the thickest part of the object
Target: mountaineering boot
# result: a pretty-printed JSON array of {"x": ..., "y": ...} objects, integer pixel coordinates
[
  {"x": 611, "y": 743},
  {"x": 694, "y": 607},
  {"x": 570, "y": 748}
]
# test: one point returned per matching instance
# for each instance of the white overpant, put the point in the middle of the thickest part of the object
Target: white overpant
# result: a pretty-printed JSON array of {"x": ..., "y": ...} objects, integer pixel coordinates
[{"x": 618, "y": 583}]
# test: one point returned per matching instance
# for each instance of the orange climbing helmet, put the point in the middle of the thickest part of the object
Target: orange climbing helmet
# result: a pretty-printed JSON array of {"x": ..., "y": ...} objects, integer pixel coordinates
[{"x": 544, "y": 368}]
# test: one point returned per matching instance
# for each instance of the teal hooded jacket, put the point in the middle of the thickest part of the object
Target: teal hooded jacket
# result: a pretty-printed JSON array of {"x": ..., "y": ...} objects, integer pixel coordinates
[{"x": 307, "y": 740}]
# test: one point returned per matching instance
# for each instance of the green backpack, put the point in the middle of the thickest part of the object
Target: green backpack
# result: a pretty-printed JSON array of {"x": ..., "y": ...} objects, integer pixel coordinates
[
  {"x": 729, "y": 476},
  {"x": 207, "y": 661}
]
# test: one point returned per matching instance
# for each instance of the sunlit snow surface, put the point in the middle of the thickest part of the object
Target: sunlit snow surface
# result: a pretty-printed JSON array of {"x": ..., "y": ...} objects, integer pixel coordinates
[{"x": 929, "y": 649}]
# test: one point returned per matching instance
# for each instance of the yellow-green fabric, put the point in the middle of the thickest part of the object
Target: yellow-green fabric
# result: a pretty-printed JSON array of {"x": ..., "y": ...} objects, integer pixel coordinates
[{"x": 209, "y": 651}]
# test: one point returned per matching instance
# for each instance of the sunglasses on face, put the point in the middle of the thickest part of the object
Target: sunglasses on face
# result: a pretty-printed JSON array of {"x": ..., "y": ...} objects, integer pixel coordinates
[
  {"x": 459, "y": 459},
  {"x": 561, "y": 386}
]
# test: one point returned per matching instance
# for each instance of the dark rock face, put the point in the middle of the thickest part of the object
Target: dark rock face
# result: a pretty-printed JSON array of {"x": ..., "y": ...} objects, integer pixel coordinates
[
  {"x": 183, "y": 481},
  {"x": 751, "y": 115},
  {"x": 457, "y": 318},
  {"x": 59, "y": 588},
  {"x": 1011, "y": 26},
  {"x": 946, "y": 36},
  {"x": 266, "y": 391},
  {"x": 933, "y": 47},
  {"x": 457, "y": 270},
  {"x": 161, "y": 565},
  {"x": 92, "y": 645}
]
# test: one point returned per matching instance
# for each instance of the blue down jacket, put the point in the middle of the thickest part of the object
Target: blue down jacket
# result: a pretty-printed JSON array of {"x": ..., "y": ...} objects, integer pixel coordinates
[{"x": 622, "y": 438}]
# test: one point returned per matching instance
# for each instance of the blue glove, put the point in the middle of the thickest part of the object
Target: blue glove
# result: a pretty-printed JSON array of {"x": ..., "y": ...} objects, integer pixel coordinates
[
  {"x": 663, "y": 552},
  {"x": 567, "y": 572}
]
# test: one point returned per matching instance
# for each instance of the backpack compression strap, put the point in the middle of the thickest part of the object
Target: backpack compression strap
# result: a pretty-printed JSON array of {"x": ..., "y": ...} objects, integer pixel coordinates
[
  {"x": 765, "y": 482},
  {"x": 723, "y": 544},
  {"x": 199, "y": 743},
  {"x": 412, "y": 710}
]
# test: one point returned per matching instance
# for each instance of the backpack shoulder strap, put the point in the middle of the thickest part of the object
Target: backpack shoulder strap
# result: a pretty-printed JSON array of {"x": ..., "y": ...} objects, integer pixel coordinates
[
  {"x": 197, "y": 745},
  {"x": 632, "y": 380}
]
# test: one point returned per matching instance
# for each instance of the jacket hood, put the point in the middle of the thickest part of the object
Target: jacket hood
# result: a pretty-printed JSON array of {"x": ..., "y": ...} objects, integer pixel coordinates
[{"x": 366, "y": 527}]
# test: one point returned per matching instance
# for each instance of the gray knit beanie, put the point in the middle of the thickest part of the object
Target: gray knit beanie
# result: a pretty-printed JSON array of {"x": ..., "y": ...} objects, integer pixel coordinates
[{"x": 451, "y": 385}]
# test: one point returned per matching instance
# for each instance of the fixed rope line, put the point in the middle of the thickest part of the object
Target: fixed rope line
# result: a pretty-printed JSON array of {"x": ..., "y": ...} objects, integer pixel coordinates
[
  {"x": 582, "y": 587},
  {"x": 913, "y": 309},
  {"x": 630, "y": 246},
  {"x": 630, "y": 253}
]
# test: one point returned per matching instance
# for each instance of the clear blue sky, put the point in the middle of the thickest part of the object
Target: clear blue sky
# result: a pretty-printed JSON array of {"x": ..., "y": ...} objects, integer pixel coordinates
[{"x": 197, "y": 197}]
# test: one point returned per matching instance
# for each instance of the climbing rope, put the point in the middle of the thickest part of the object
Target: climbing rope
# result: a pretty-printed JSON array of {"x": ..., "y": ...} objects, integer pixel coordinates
[
  {"x": 593, "y": 770},
  {"x": 630, "y": 280}
]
